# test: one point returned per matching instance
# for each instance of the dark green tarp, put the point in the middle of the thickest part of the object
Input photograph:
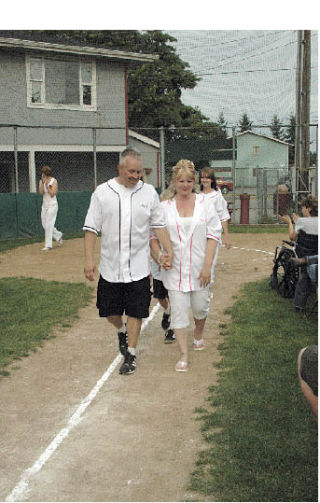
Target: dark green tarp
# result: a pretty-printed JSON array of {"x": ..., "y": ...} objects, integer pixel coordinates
[{"x": 20, "y": 214}]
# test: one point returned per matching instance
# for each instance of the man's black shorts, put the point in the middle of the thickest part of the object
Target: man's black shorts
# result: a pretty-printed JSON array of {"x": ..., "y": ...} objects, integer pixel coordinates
[
  {"x": 159, "y": 291},
  {"x": 133, "y": 299}
]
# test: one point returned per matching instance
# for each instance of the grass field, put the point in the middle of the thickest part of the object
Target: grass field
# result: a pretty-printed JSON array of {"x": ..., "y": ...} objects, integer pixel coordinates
[
  {"x": 257, "y": 229},
  {"x": 262, "y": 438},
  {"x": 28, "y": 313}
]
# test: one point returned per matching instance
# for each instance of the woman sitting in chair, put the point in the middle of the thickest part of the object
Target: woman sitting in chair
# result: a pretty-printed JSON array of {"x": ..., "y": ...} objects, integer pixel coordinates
[{"x": 305, "y": 234}]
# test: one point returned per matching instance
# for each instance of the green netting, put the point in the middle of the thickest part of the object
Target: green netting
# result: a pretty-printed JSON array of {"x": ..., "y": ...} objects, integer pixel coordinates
[
  {"x": 8, "y": 216},
  {"x": 20, "y": 214},
  {"x": 73, "y": 207}
]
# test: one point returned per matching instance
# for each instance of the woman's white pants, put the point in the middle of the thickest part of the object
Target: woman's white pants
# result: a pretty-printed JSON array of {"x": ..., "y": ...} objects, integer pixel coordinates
[
  {"x": 181, "y": 302},
  {"x": 48, "y": 219}
]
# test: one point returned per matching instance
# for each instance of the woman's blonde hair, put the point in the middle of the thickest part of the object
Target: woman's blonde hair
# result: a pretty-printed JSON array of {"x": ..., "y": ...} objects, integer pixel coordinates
[{"x": 183, "y": 167}]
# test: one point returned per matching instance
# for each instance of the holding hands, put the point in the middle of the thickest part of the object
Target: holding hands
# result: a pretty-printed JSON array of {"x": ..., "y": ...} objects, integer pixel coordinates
[
  {"x": 205, "y": 276},
  {"x": 165, "y": 260}
]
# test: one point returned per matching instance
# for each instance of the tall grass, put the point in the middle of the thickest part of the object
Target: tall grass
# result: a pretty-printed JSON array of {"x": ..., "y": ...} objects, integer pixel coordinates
[
  {"x": 262, "y": 439},
  {"x": 30, "y": 308}
]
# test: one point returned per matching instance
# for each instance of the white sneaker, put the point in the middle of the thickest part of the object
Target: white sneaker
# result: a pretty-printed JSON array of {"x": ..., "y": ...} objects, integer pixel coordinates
[{"x": 45, "y": 249}]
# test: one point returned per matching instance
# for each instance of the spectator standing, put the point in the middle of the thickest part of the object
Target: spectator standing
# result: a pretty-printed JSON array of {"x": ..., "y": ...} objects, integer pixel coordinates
[
  {"x": 209, "y": 187},
  {"x": 304, "y": 231},
  {"x": 48, "y": 187},
  {"x": 124, "y": 209}
]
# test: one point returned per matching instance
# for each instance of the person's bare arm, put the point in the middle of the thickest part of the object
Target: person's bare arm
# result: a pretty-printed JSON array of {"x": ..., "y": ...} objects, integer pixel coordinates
[
  {"x": 155, "y": 250},
  {"x": 90, "y": 269},
  {"x": 226, "y": 235},
  {"x": 292, "y": 233},
  {"x": 205, "y": 275},
  {"x": 164, "y": 238}
]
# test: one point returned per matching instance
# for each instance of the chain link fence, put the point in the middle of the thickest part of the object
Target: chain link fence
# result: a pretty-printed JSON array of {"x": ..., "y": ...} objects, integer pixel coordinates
[{"x": 256, "y": 172}]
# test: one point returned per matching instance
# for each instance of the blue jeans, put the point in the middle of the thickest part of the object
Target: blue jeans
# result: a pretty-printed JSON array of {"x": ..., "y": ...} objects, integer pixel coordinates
[
  {"x": 312, "y": 267},
  {"x": 308, "y": 275}
]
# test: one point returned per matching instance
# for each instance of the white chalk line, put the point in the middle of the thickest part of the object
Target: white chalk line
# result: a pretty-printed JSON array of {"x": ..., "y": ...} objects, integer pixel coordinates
[
  {"x": 23, "y": 486},
  {"x": 250, "y": 249}
]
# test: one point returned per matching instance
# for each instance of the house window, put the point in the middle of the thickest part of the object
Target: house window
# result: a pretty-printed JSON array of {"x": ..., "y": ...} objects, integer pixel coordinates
[
  {"x": 255, "y": 151},
  {"x": 61, "y": 83}
]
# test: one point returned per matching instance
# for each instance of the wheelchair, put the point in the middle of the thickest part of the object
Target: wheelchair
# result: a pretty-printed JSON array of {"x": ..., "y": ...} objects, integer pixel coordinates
[{"x": 284, "y": 275}]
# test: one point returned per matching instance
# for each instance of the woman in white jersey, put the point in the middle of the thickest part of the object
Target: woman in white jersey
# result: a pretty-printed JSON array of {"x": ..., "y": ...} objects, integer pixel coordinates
[
  {"x": 48, "y": 187},
  {"x": 194, "y": 228},
  {"x": 209, "y": 187}
]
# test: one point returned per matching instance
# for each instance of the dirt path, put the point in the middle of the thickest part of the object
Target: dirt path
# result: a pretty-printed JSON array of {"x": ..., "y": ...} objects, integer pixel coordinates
[{"x": 138, "y": 439}]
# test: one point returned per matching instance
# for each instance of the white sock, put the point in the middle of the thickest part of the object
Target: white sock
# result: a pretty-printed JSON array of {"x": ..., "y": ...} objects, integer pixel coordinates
[
  {"x": 132, "y": 351},
  {"x": 123, "y": 329},
  {"x": 167, "y": 311}
]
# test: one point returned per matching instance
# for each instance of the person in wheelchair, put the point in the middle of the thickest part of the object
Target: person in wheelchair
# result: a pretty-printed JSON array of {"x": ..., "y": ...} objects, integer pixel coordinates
[
  {"x": 304, "y": 232},
  {"x": 311, "y": 262}
]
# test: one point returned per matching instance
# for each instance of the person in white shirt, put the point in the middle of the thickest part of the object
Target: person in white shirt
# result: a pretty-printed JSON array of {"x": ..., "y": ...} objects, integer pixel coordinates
[
  {"x": 48, "y": 187},
  {"x": 195, "y": 230},
  {"x": 209, "y": 187},
  {"x": 304, "y": 232},
  {"x": 124, "y": 209}
]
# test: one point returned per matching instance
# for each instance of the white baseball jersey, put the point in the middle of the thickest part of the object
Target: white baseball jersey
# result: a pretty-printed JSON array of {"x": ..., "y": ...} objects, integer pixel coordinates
[
  {"x": 220, "y": 204},
  {"x": 189, "y": 246},
  {"x": 47, "y": 200},
  {"x": 124, "y": 216}
]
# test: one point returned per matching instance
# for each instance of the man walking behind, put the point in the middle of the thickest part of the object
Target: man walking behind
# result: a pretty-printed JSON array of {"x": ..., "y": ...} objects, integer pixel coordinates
[{"x": 123, "y": 209}]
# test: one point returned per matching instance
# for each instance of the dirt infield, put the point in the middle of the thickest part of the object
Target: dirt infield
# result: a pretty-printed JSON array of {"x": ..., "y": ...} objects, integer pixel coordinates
[{"x": 137, "y": 440}]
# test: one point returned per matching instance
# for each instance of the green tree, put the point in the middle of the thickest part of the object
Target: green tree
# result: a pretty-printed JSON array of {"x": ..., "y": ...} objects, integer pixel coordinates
[
  {"x": 290, "y": 137},
  {"x": 223, "y": 124},
  {"x": 276, "y": 129},
  {"x": 245, "y": 124}
]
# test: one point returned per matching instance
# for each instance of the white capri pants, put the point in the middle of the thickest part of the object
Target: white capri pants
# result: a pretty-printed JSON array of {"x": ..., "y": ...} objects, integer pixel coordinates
[
  {"x": 181, "y": 302},
  {"x": 48, "y": 219}
]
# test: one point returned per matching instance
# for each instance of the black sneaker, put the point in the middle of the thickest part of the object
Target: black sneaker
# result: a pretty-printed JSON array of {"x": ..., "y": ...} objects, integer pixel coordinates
[
  {"x": 169, "y": 336},
  {"x": 165, "y": 323},
  {"x": 123, "y": 342},
  {"x": 129, "y": 364}
]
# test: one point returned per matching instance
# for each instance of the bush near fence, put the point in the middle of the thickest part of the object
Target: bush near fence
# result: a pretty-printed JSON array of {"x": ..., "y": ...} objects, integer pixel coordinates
[{"x": 20, "y": 214}]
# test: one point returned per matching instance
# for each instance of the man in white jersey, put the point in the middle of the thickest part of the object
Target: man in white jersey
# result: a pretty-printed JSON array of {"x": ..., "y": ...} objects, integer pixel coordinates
[{"x": 123, "y": 209}]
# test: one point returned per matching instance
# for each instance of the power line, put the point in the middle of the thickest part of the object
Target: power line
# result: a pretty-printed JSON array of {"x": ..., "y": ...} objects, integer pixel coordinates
[
  {"x": 197, "y": 45},
  {"x": 249, "y": 57},
  {"x": 251, "y": 71}
]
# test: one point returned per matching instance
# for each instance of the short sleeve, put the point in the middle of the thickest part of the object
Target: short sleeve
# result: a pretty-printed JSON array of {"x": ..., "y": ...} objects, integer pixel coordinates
[
  {"x": 157, "y": 218},
  {"x": 222, "y": 207},
  {"x": 214, "y": 227},
  {"x": 93, "y": 221}
]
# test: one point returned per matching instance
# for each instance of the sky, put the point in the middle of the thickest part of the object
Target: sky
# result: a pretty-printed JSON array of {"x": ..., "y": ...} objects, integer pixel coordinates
[{"x": 251, "y": 71}]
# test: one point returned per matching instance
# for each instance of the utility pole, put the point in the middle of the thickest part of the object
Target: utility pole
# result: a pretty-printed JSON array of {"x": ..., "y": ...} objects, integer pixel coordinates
[
  {"x": 298, "y": 119},
  {"x": 162, "y": 159},
  {"x": 302, "y": 140}
]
